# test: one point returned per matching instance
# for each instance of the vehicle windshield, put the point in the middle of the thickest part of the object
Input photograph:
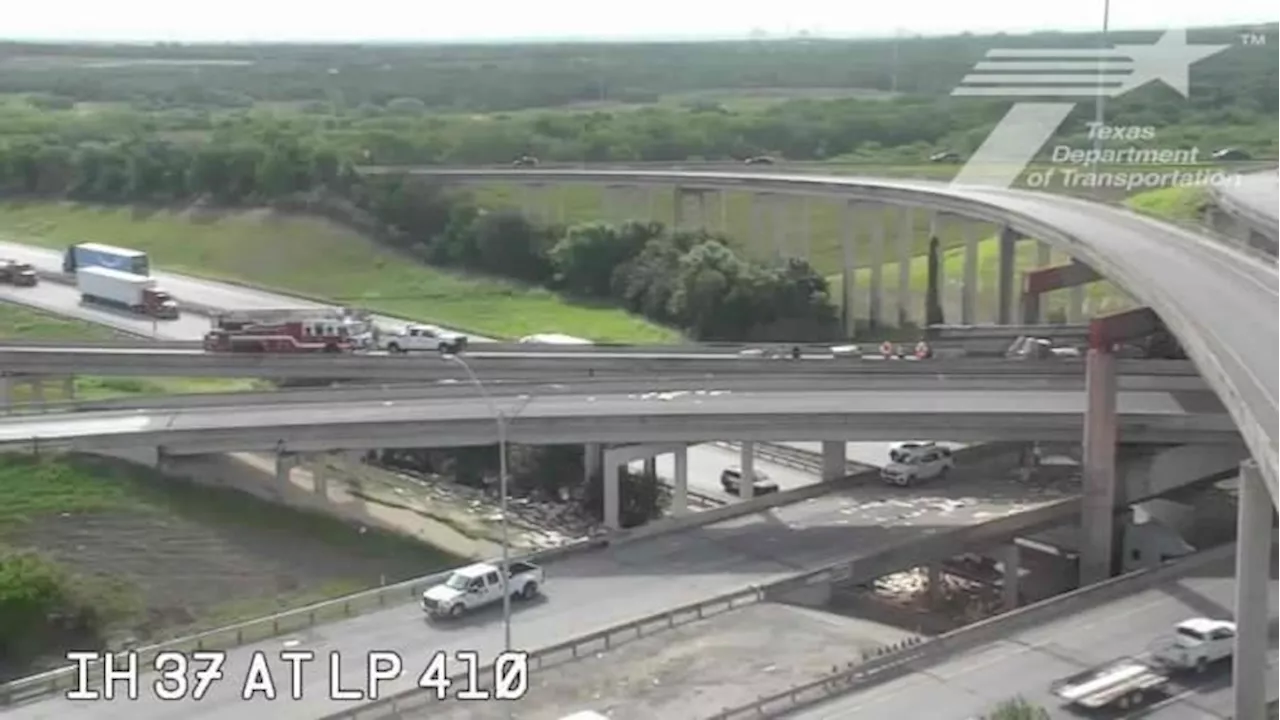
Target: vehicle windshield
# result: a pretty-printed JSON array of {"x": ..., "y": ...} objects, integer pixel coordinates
[
  {"x": 1187, "y": 636},
  {"x": 457, "y": 581}
]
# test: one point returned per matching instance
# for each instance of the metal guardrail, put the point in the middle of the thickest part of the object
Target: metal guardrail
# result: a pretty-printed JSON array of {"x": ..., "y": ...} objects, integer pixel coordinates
[
  {"x": 582, "y": 646},
  {"x": 35, "y": 686},
  {"x": 913, "y": 655}
]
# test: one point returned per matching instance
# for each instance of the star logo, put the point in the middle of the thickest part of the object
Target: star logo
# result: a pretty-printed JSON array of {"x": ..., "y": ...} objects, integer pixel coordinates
[{"x": 1169, "y": 60}]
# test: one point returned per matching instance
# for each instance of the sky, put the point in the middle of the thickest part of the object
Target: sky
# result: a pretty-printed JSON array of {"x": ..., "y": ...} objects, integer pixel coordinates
[{"x": 444, "y": 21}]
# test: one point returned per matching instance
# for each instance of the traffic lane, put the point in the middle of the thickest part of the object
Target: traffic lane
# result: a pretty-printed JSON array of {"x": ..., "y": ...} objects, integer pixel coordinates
[
  {"x": 584, "y": 593},
  {"x": 65, "y": 300},
  {"x": 707, "y": 462},
  {"x": 529, "y": 409},
  {"x": 222, "y": 295},
  {"x": 1029, "y": 662},
  {"x": 1258, "y": 191},
  {"x": 871, "y": 454}
]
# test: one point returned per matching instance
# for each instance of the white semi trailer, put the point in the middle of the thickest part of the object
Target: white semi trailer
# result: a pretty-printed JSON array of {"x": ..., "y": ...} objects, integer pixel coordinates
[{"x": 116, "y": 288}]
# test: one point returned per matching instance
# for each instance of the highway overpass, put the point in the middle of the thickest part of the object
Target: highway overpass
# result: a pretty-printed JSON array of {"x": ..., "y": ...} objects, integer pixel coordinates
[
  {"x": 87, "y": 359},
  {"x": 959, "y": 415},
  {"x": 1250, "y": 209}
]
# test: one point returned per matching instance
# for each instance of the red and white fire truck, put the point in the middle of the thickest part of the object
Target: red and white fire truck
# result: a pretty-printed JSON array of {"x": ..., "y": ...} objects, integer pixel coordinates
[{"x": 290, "y": 331}]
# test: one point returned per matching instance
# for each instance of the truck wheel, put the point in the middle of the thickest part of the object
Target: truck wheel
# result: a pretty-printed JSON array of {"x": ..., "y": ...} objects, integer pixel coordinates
[
  {"x": 529, "y": 591},
  {"x": 455, "y": 610},
  {"x": 1201, "y": 665},
  {"x": 393, "y": 348},
  {"x": 943, "y": 474},
  {"x": 331, "y": 348}
]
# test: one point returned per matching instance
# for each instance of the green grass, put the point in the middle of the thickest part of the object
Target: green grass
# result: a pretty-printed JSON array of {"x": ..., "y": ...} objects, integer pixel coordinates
[
  {"x": 36, "y": 488},
  {"x": 1176, "y": 204},
  {"x": 18, "y": 322},
  {"x": 310, "y": 256}
]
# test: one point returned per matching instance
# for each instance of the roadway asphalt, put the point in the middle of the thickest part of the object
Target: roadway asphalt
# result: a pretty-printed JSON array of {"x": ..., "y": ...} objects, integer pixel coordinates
[
  {"x": 181, "y": 287},
  {"x": 1026, "y": 663},
  {"x": 253, "y": 420},
  {"x": 1258, "y": 192},
  {"x": 592, "y": 591}
]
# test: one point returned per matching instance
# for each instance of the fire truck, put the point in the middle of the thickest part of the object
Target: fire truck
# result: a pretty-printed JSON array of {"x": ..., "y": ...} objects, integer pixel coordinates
[{"x": 290, "y": 331}]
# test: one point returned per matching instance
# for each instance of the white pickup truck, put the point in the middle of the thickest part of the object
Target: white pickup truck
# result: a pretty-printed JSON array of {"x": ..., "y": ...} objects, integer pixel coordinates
[
  {"x": 420, "y": 338},
  {"x": 476, "y": 586},
  {"x": 1195, "y": 645}
]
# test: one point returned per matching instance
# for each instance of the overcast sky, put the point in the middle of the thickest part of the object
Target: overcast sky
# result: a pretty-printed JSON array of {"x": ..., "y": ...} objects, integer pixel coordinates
[{"x": 443, "y": 20}]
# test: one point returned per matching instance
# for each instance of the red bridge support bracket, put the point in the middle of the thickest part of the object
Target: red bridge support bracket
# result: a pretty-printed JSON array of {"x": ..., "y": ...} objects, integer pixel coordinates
[
  {"x": 1059, "y": 277},
  {"x": 1107, "y": 332}
]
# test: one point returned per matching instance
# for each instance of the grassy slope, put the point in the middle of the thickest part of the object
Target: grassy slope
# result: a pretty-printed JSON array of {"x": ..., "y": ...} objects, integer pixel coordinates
[
  {"x": 21, "y": 323},
  {"x": 315, "y": 257},
  {"x": 37, "y": 492}
]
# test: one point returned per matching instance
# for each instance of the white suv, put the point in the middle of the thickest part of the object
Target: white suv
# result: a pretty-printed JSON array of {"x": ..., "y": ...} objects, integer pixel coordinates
[{"x": 912, "y": 467}]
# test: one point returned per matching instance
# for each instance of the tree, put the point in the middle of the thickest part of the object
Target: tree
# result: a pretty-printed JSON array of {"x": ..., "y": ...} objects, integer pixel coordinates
[{"x": 641, "y": 497}]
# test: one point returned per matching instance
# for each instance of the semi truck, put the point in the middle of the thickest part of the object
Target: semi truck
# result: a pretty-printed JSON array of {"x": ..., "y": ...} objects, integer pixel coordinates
[
  {"x": 1128, "y": 682},
  {"x": 135, "y": 293},
  {"x": 17, "y": 273},
  {"x": 84, "y": 255},
  {"x": 289, "y": 331}
]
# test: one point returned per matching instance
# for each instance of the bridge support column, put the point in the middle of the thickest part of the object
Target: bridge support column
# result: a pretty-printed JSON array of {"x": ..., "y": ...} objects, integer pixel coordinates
[
  {"x": 1099, "y": 495},
  {"x": 757, "y": 234},
  {"x": 285, "y": 462},
  {"x": 722, "y": 202},
  {"x": 612, "y": 497},
  {"x": 906, "y": 236},
  {"x": 592, "y": 460},
  {"x": 778, "y": 226},
  {"x": 1011, "y": 563},
  {"x": 1253, "y": 575},
  {"x": 677, "y": 208},
  {"x": 1008, "y": 258},
  {"x": 848, "y": 272},
  {"x": 320, "y": 476},
  {"x": 69, "y": 388},
  {"x": 834, "y": 460},
  {"x": 680, "y": 483},
  {"x": 875, "y": 301},
  {"x": 6, "y": 390},
  {"x": 651, "y": 466},
  {"x": 804, "y": 227},
  {"x": 969, "y": 289},
  {"x": 933, "y": 583},
  {"x": 747, "y": 487}
]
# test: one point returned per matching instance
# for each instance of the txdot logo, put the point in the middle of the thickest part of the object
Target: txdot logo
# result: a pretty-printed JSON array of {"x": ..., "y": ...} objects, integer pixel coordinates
[{"x": 1063, "y": 73}]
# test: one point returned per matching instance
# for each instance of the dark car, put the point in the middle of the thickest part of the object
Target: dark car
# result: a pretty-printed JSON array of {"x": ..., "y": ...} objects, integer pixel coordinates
[
  {"x": 759, "y": 160},
  {"x": 731, "y": 480},
  {"x": 525, "y": 161}
]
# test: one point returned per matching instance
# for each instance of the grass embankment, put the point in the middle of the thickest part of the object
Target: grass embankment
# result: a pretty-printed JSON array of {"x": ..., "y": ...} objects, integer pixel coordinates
[
  {"x": 22, "y": 323},
  {"x": 172, "y": 557},
  {"x": 315, "y": 257}
]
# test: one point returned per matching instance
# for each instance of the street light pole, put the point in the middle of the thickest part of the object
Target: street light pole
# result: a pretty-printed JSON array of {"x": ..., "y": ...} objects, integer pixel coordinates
[
  {"x": 501, "y": 419},
  {"x": 1100, "y": 100}
]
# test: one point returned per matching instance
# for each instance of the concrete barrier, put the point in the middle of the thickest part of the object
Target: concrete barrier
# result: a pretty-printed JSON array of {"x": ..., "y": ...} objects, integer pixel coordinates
[{"x": 914, "y": 658}]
